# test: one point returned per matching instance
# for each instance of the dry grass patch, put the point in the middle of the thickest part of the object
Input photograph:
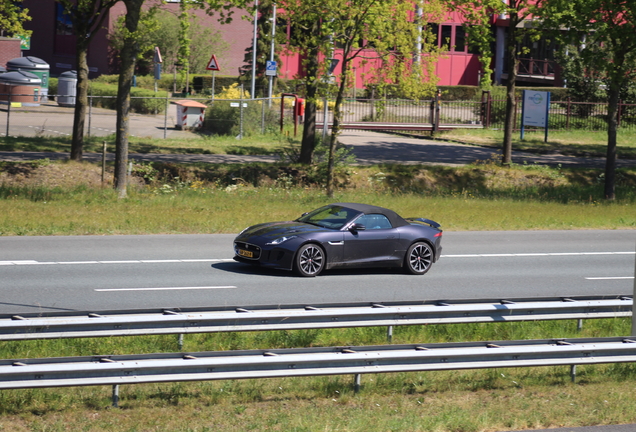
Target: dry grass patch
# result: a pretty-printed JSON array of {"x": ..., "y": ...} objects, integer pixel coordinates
[{"x": 52, "y": 175}]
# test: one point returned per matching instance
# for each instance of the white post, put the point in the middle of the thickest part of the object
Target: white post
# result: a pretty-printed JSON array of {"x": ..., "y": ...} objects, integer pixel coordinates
[
  {"x": 271, "y": 55},
  {"x": 254, "y": 49}
]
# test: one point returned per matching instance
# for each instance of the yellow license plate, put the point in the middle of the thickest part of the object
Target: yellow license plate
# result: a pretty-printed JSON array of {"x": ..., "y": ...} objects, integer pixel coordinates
[{"x": 246, "y": 254}]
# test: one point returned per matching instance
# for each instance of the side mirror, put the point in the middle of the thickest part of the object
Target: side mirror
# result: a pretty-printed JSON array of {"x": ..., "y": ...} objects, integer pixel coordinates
[{"x": 357, "y": 227}]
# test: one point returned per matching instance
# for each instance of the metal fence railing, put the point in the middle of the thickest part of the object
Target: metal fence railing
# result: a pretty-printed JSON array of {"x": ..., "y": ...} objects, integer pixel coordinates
[
  {"x": 163, "y": 117},
  {"x": 152, "y": 117},
  {"x": 219, "y": 365},
  {"x": 261, "y": 318},
  {"x": 117, "y": 370}
]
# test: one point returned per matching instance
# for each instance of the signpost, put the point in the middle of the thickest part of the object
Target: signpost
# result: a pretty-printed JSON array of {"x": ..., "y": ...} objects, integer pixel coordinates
[
  {"x": 270, "y": 69},
  {"x": 213, "y": 65},
  {"x": 535, "y": 110},
  {"x": 157, "y": 61}
]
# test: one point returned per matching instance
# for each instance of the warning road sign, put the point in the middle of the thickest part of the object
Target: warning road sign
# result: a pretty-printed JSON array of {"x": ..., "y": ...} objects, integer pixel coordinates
[{"x": 213, "y": 65}]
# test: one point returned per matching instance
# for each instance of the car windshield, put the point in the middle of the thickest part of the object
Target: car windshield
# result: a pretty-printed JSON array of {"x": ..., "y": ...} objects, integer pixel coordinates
[{"x": 332, "y": 217}]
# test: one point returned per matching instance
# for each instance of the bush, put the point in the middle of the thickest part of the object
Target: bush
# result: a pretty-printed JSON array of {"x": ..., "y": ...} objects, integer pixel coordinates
[
  {"x": 141, "y": 101},
  {"x": 460, "y": 93},
  {"x": 223, "y": 119},
  {"x": 203, "y": 83}
]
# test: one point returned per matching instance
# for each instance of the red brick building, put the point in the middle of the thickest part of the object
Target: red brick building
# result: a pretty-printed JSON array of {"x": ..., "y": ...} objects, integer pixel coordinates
[
  {"x": 9, "y": 49},
  {"x": 54, "y": 42}
]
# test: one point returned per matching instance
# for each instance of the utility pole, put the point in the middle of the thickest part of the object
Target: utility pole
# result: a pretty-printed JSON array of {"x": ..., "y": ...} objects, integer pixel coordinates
[{"x": 254, "y": 49}]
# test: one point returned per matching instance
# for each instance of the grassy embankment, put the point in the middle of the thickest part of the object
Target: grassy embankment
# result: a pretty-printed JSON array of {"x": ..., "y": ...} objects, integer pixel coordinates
[{"x": 64, "y": 198}]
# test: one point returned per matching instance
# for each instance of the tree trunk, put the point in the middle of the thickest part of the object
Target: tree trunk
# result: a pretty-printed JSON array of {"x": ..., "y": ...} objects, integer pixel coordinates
[
  {"x": 308, "y": 142},
  {"x": 81, "y": 102},
  {"x": 612, "y": 126},
  {"x": 337, "y": 119},
  {"x": 511, "y": 100},
  {"x": 128, "y": 58}
]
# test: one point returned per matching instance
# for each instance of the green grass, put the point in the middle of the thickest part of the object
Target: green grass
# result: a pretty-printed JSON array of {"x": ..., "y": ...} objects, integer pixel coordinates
[
  {"x": 213, "y": 210},
  {"x": 582, "y": 143},
  {"x": 198, "y": 144},
  {"x": 573, "y": 143}
]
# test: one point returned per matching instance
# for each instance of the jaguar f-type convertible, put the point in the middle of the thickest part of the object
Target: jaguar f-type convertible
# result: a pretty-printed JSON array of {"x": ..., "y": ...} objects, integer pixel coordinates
[{"x": 342, "y": 235}]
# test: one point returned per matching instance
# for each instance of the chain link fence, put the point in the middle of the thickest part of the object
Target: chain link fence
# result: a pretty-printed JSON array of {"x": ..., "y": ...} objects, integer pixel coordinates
[{"x": 169, "y": 117}]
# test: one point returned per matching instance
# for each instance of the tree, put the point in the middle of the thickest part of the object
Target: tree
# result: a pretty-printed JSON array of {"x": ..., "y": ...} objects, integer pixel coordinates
[
  {"x": 479, "y": 13},
  {"x": 128, "y": 57},
  {"x": 12, "y": 15},
  {"x": 603, "y": 31},
  {"x": 87, "y": 17},
  {"x": 263, "y": 50},
  {"x": 160, "y": 28},
  {"x": 360, "y": 30}
]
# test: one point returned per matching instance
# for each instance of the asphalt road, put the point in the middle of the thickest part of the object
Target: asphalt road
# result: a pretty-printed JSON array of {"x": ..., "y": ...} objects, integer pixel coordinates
[
  {"x": 368, "y": 147},
  {"x": 90, "y": 273}
]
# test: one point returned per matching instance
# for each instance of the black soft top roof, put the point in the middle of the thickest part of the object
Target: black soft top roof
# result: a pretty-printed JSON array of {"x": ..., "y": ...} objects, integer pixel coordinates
[{"x": 395, "y": 219}]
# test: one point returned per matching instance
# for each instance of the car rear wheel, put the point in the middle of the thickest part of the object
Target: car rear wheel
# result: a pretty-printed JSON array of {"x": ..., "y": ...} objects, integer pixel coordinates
[
  {"x": 310, "y": 260},
  {"x": 418, "y": 259}
]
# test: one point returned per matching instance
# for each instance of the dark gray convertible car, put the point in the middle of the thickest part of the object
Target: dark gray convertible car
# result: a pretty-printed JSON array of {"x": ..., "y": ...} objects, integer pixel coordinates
[{"x": 340, "y": 235}]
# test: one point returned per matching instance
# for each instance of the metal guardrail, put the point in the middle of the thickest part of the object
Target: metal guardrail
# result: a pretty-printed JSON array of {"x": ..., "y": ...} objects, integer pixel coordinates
[
  {"x": 294, "y": 317},
  {"x": 136, "y": 369}
]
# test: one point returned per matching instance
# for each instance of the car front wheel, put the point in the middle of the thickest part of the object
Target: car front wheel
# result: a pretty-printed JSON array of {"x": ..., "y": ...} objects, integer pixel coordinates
[
  {"x": 419, "y": 258},
  {"x": 310, "y": 260}
]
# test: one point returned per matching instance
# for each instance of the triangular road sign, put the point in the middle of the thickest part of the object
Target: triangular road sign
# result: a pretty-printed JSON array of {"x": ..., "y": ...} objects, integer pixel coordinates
[{"x": 213, "y": 65}]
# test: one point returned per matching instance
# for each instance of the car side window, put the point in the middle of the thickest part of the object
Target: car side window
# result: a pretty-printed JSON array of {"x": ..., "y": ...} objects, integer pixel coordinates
[{"x": 374, "y": 221}]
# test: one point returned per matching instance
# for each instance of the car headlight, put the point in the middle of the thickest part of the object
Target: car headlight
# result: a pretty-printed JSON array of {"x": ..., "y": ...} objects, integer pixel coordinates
[{"x": 281, "y": 240}]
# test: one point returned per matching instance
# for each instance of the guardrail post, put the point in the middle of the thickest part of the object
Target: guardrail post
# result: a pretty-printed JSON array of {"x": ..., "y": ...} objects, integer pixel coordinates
[
  {"x": 579, "y": 325},
  {"x": 389, "y": 334},
  {"x": 356, "y": 383},
  {"x": 180, "y": 342},
  {"x": 573, "y": 373},
  {"x": 116, "y": 396}
]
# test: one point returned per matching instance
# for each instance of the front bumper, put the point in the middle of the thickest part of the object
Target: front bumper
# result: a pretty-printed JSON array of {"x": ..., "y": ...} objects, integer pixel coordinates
[{"x": 273, "y": 257}]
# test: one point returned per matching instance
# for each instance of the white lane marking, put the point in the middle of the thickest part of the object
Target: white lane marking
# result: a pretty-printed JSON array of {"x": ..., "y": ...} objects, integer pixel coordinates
[
  {"x": 32, "y": 262},
  {"x": 536, "y": 254},
  {"x": 610, "y": 278},
  {"x": 165, "y": 288}
]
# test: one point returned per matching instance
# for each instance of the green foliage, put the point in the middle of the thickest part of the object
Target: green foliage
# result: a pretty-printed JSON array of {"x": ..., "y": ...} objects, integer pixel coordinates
[
  {"x": 583, "y": 83},
  {"x": 222, "y": 118},
  {"x": 12, "y": 17},
  {"x": 165, "y": 30},
  {"x": 263, "y": 51}
]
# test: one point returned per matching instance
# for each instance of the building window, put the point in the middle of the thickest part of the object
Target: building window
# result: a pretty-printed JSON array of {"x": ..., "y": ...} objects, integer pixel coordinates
[
  {"x": 451, "y": 37},
  {"x": 65, "y": 39},
  {"x": 460, "y": 39}
]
